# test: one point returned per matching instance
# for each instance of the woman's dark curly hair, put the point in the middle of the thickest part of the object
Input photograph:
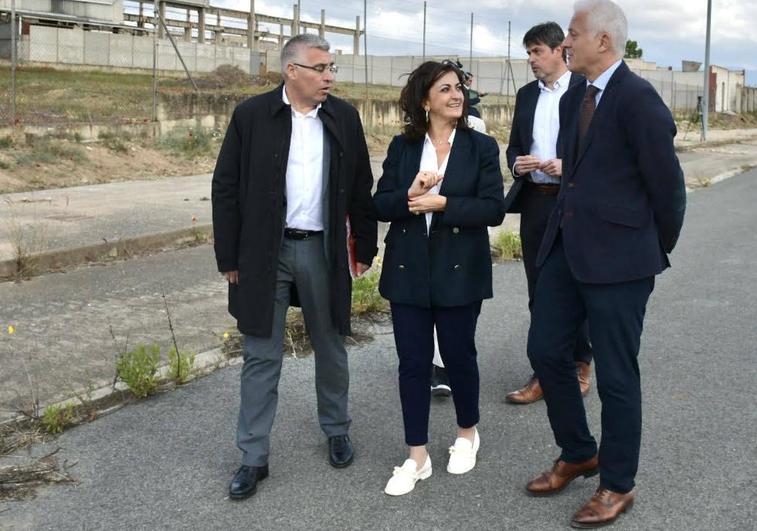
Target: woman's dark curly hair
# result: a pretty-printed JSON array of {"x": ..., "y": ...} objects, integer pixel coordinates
[{"x": 419, "y": 82}]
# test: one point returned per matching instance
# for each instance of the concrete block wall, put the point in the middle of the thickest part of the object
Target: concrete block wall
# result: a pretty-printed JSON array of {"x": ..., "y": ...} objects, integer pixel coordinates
[
  {"x": 96, "y": 48},
  {"x": 108, "y": 10},
  {"x": 75, "y": 46}
]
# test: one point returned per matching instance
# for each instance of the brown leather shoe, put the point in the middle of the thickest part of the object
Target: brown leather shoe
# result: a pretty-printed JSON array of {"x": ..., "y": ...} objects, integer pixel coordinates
[
  {"x": 602, "y": 509},
  {"x": 528, "y": 394},
  {"x": 562, "y": 473},
  {"x": 583, "y": 370}
]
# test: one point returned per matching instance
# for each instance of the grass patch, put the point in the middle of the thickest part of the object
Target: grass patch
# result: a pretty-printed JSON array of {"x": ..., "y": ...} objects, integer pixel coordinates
[
  {"x": 115, "y": 142},
  {"x": 6, "y": 142},
  {"x": 506, "y": 246},
  {"x": 48, "y": 96},
  {"x": 49, "y": 151},
  {"x": 193, "y": 143}
]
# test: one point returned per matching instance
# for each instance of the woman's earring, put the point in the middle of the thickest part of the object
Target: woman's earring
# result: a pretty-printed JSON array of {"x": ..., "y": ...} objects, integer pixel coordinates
[{"x": 426, "y": 115}]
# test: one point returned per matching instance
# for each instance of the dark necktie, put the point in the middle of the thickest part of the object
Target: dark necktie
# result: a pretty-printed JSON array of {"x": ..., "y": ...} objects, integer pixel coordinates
[{"x": 587, "y": 111}]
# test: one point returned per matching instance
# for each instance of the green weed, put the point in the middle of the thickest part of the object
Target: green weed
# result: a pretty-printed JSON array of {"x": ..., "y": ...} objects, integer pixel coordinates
[
  {"x": 57, "y": 418},
  {"x": 180, "y": 365},
  {"x": 138, "y": 368},
  {"x": 365, "y": 295}
]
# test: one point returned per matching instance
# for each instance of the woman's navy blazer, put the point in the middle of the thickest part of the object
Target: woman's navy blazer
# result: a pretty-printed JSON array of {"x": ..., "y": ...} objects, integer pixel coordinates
[{"x": 452, "y": 265}]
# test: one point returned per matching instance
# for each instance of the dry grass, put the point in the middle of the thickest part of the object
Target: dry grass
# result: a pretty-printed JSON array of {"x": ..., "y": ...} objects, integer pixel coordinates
[
  {"x": 49, "y": 96},
  {"x": 20, "y": 481}
]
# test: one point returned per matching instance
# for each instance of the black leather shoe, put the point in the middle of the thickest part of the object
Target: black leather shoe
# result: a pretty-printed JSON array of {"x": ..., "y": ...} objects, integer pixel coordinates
[
  {"x": 245, "y": 481},
  {"x": 340, "y": 451}
]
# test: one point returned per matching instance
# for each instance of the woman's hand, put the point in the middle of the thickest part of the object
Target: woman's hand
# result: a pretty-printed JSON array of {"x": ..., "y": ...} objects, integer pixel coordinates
[
  {"x": 427, "y": 203},
  {"x": 423, "y": 182}
]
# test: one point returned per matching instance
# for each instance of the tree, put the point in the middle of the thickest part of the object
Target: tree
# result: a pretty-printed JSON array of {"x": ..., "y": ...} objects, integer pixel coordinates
[{"x": 633, "y": 51}]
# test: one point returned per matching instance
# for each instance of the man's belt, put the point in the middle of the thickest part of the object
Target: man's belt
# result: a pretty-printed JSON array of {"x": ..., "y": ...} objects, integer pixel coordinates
[
  {"x": 544, "y": 189},
  {"x": 298, "y": 234}
]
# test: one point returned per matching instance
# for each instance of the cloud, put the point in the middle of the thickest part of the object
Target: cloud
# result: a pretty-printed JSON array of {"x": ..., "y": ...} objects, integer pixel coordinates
[{"x": 667, "y": 31}]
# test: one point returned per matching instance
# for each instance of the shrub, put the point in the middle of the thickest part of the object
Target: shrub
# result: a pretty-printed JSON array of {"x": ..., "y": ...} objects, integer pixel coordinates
[
  {"x": 56, "y": 418},
  {"x": 192, "y": 143},
  {"x": 138, "y": 368},
  {"x": 114, "y": 142},
  {"x": 180, "y": 365},
  {"x": 506, "y": 245}
]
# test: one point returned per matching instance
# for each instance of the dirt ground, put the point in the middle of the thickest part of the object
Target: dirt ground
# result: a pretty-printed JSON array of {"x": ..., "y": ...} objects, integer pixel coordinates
[
  {"x": 65, "y": 162},
  {"x": 61, "y": 163}
]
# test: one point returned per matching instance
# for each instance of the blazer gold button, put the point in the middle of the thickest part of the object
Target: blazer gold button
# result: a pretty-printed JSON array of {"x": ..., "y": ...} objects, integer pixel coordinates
[
  {"x": 455, "y": 230},
  {"x": 402, "y": 267},
  {"x": 404, "y": 231},
  {"x": 457, "y": 267}
]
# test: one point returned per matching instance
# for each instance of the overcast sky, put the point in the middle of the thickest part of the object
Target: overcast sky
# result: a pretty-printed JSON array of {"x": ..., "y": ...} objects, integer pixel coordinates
[{"x": 667, "y": 31}]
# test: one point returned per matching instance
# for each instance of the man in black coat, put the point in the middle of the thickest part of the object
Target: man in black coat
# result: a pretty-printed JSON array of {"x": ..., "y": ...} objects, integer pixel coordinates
[
  {"x": 293, "y": 173},
  {"x": 534, "y": 159},
  {"x": 618, "y": 215}
]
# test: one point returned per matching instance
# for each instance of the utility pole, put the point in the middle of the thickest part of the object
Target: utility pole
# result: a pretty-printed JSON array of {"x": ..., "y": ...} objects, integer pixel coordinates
[
  {"x": 252, "y": 47},
  {"x": 155, "y": 17},
  {"x": 706, "y": 95},
  {"x": 365, "y": 47},
  {"x": 14, "y": 60},
  {"x": 509, "y": 65},
  {"x": 470, "y": 50},
  {"x": 424, "y": 31}
]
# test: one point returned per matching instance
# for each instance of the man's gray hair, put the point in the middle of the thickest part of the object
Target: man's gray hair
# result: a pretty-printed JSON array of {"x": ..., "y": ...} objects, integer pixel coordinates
[
  {"x": 606, "y": 16},
  {"x": 296, "y": 44}
]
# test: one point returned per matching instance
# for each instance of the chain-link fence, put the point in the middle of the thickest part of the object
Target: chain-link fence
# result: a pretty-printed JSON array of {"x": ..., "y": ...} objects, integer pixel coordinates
[{"x": 68, "y": 76}]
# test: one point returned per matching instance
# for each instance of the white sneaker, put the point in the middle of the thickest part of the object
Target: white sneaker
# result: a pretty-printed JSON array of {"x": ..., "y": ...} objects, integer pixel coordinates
[
  {"x": 406, "y": 476},
  {"x": 462, "y": 455}
]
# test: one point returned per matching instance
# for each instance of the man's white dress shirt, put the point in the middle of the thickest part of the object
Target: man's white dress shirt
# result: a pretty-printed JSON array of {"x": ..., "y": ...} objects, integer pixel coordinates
[
  {"x": 547, "y": 126},
  {"x": 304, "y": 178},
  {"x": 603, "y": 79}
]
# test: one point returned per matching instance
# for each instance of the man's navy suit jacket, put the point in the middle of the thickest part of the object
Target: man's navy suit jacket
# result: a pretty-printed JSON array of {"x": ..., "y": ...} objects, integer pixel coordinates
[
  {"x": 522, "y": 135},
  {"x": 622, "y": 195}
]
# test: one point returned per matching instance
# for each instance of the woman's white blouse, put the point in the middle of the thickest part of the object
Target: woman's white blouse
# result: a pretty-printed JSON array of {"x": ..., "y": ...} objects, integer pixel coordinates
[{"x": 429, "y": 162}]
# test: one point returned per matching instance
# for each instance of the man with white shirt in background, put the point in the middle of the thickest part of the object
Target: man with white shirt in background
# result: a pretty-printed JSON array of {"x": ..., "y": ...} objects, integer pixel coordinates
[{"x": 534, "y": 158}]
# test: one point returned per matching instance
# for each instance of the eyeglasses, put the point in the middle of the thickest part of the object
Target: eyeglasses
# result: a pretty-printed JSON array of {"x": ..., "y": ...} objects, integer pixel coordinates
[{"x": 320, "y": 68}]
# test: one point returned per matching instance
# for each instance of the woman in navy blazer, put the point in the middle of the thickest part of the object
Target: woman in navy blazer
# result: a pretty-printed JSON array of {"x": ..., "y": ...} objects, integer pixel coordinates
[{"x": 441, "y": 187}]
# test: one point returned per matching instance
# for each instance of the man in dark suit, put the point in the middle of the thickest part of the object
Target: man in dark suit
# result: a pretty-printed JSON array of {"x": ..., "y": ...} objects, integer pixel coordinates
[
  {"x": 536, "y": 165},
  {"x": 618, "y": 215},
  {"x": 292, "y": 169}
]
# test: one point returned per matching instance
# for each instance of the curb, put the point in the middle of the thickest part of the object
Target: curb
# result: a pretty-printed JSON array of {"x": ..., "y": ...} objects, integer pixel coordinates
[
  {"x": 205, "y": 363},
  {"x": 720, "y": 177},
  {"x": 55, "y": 260}
]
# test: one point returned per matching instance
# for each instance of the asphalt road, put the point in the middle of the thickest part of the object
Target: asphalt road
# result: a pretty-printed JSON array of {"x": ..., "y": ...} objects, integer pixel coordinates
[{"x": 165, "y": 463}]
